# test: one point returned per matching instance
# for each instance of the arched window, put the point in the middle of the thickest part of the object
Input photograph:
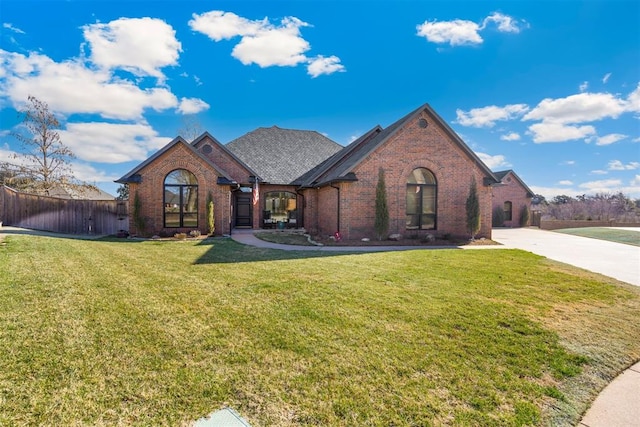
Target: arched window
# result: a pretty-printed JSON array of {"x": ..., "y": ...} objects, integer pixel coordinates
[
  {"x": 508, "y": 211},
  {"x": 180, "y": 199},
  {"x": 421, "y": 200}
]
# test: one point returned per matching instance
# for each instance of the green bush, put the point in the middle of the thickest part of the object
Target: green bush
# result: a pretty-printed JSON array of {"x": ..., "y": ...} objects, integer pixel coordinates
[
  {"x": 524, "y": 216},
  {"x": 497, "y": 219}
]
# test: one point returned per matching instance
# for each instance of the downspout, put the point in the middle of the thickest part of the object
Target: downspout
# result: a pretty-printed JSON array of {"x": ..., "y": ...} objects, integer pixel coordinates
[
  {"x": 337, "y": 188},
  {"x": 301, "y": 225}
]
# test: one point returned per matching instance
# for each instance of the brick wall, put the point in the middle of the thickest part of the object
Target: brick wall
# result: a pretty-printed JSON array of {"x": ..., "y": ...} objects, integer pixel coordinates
[
  {"x": 410, "y": 148},
  {"x": 151, "y": 192},
  {"x": 221, "y": 158},
  {"x": 511, "y": 190}
]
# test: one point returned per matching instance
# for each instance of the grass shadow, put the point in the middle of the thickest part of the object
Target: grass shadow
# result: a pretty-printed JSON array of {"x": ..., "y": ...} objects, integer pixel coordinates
[{"x": 225, "y": 250}]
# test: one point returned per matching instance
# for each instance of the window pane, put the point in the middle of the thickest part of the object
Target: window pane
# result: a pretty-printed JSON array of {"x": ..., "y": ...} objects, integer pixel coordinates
[
  {"x": 281, "y": 205},
  {"x": 421, "y": 176},
  {"x": 428, "y": 200},
  {"x": 412, "y": 222},
  {"x": 172, "y": 220},
  {"x": 180, "y": 177},
  {"x": 428, "y": 222},
  {"x": 412, "y": 199},
  {"x": 190, "y": 199},
  {"x": 190, "y": 220}
]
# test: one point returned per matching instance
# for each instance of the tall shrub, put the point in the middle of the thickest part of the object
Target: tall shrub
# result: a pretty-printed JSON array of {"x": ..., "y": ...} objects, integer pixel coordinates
[
  {"x": 473, "y": 210},
  {"x": 497, "y": 219},
  {"x": 524, "y": 216},
  {"x": 381, "y": 224},
  {"x": 138, "y": 220},
  {"x": 211, "y": 223}
]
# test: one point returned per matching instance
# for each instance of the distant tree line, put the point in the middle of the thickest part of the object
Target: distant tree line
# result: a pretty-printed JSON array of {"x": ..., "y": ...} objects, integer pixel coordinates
[{"x": 597, "y": 207}]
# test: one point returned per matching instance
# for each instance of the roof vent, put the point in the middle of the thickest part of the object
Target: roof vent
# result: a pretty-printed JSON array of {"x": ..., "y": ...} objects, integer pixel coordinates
[
  {"x": 206, "y": 149},
  {"x": 423, "y": 123}
]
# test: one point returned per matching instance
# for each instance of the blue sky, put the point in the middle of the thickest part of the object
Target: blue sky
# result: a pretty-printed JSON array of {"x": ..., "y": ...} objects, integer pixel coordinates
[{"x": 549, "y": 89}]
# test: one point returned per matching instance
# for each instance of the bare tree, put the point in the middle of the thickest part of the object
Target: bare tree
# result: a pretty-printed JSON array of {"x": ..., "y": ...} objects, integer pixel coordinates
[
  {"x": 191, "y": 128},
  {"x": 44, "y": 158}
]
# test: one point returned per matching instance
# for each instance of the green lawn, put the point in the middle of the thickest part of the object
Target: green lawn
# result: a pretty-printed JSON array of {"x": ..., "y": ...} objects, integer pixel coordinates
[
  {"x": 629, "y": 237},
  {"x": 118, "y": 332}
]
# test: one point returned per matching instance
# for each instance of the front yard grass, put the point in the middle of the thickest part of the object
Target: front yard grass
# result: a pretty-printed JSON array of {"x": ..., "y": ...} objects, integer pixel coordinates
[
  {"x": 114, "y": 332},
  {"x": 617, "y": 235}
]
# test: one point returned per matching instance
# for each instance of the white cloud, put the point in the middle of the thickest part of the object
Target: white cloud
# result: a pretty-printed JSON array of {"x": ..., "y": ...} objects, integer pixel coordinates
[
  {"x": 487, "y": 116},
  {"x": 263, "y": 43},
  {"x": 633, "y": 100},
  {"x": 565, "y": 182},
  {"x": 513, "y": 136},
  {"x": 568, "y": 162},
  {"x": 73, "y": 87},
  {"x": 457, "y": 32},
  {"x": 460, "y": 32},
  {"x": 219, "y": 25},
  {"x": 606, "y": 77},
  {"x": 139, "y": 45},
  {"x": 321, "y": 65},
  {"x": 601, "y": 186},
  {"x": 111, "y": 142},
  {"x": 617, "y": 165},
  {"x": 282, "y": 46},
  {"x": 584, "y": 86},
  {"x": 493, "y": 162},
  {"x": 610, "y": 139},
  {"x": 583, "y": 107},
  {"x": 599, "y": 172},
  {"x": 506, "y": 23},
  {"x": 10, "y": 27},
  {"x": 558, "y": 132},
  {"x": 635, "y": 182},
  {"x": 87, "y": 173},
  {"x": 551, "y": 192},
  {"x": 192, "y": 106}
]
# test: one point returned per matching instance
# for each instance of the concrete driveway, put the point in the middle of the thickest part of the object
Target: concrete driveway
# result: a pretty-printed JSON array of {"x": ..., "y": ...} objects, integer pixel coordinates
[{"x": 615, "y": 260}]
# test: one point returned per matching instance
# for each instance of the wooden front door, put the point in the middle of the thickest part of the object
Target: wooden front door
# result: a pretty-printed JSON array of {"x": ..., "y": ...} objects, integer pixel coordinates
[{"x": 244, "y": 217}]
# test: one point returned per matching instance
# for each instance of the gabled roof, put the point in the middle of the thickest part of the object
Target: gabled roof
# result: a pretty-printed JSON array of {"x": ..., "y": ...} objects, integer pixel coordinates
[
  {"x": 501, "y": 175},
  {"x": 196, "y": 142},
  {"x": 279, "y": 156},
  {"x": 133, "y": 176},
  {"x": 340, "y": 166}
]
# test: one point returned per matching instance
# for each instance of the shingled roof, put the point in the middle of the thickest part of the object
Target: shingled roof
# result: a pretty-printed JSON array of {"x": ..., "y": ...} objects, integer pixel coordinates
[
  {"x": 279, "y": 155},
  {"x": 502, "y": 174},
  {"x": 340, "y": 166}
]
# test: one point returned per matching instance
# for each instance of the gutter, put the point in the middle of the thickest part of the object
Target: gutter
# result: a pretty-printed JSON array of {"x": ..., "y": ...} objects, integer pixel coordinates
[{"x": 338, "y": 207}]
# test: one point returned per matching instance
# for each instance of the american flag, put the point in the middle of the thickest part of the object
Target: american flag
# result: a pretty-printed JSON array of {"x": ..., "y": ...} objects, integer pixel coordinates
[{"x": 256, "y": 192}]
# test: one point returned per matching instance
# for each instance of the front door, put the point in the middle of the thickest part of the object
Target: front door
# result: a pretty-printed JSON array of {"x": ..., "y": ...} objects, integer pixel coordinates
[{"x": 244, "y": 217}]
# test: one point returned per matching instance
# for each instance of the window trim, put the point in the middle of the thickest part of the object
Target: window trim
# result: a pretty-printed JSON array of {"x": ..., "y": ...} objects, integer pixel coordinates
[
  {"x": 181, "y": 192},
  {"x": 508, "y": 213},
  {"x": 419, "y": 206}
]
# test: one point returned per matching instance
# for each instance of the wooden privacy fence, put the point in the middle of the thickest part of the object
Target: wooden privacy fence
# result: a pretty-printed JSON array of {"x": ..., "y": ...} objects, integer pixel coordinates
[{"x": 68, "y": 216}]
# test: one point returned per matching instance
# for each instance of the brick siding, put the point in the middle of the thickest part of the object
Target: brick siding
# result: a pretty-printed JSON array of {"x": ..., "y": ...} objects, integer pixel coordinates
[
  {"x": 151, "y": 192},
  {"x": 512, "y": 191},
  {"x": 410, "y": 148}
]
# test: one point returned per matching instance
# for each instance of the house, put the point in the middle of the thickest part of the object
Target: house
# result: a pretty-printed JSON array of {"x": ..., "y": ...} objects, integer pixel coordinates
[
  {"x": 512, "y": 196},
  {"x": 273, "y": 177}
]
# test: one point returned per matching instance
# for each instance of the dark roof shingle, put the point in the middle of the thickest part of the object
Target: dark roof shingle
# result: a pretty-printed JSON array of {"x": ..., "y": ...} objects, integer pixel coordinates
[{"x": 279, "y": 156}]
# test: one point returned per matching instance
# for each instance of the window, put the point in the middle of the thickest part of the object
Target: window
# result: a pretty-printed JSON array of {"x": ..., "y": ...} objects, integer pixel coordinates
[
  {"x": 421, "y": 200},
  {"x": 180, "y": 199},
  {"x": 507, "y": 211},
  {"x": 281, "y": 205}
]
